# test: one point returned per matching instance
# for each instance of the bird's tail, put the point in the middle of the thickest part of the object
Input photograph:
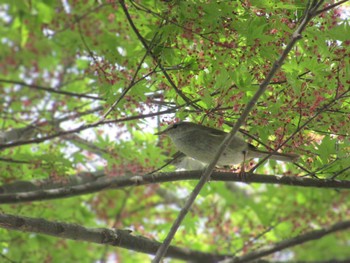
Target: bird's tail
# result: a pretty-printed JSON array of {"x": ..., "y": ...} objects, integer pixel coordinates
[{"x": 285, "y": 157}]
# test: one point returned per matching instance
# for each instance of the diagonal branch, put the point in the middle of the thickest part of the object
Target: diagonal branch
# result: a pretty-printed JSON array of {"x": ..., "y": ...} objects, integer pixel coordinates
[
  {"x": 331, "y": 7},
  {"x": 309, "y": 14},
  {"x": 132, "y": 82},
  {"x": 309, "y": 236},
  {"x": 91, "y": 54},
  {"x": 300, "y": 127},
  {"x": 144, "y": 43}
]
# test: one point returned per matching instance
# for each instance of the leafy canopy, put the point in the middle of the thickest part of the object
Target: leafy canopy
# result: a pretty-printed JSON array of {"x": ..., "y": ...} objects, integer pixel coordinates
[{"x": 84, "y": 85}]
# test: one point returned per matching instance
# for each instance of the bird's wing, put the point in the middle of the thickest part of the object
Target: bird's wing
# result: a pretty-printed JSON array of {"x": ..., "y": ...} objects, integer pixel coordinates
[
  {"x": 215, "y": 132},
  {"x": 251, "y": 147}
]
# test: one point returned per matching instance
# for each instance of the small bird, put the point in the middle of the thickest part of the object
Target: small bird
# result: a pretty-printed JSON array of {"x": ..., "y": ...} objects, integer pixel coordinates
[{"x": 201, "y": 143}]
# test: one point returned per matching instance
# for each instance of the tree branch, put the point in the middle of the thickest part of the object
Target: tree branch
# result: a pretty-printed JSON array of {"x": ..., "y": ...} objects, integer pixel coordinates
[
  {"x": 331, "y": 7},
  {"x": 300, "y": 127},
  {"x": 51, "y": 90},
  {"x": 132, "y": 82},
  {"x": 309, "y": 13},
  {"x": 85, "y": 127},
  {"x": 99, "y": 181},
  {"x": 309, "y": 236},
  {"x": 144, "y": 43},
  {"x": 104, "y": 236}
]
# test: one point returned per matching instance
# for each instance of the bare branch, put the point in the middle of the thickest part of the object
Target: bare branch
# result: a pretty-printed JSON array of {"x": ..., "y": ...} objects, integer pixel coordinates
[
  {"x": 99, "y": 181},
  {"x": 132, "y": 82},
  {"x": 51, "y": 90},
  {"x": 144, "y": 43},
  {"x": 91, "y": 54},
  {"x": 85, "y": 127},
  {"x": 309, "y": 236},
  {"x": 331, "y": 7},
  {"x": 104, "y": 236}
]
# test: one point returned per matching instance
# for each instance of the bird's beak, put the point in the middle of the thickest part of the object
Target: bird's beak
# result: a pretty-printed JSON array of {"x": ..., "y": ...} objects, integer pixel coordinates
[{"x": 162, "y": 132}]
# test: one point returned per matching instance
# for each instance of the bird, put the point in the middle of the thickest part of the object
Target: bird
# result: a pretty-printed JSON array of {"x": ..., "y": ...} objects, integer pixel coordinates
[{"x": 202, "y": 143}]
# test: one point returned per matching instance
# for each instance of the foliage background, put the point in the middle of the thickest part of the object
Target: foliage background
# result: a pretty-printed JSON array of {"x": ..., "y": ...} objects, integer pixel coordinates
[{"x": 63, "y": 64}]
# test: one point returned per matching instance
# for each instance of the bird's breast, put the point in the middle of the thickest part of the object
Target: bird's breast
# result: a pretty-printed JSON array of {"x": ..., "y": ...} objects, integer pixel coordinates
[{"x": 203, "y": 148}]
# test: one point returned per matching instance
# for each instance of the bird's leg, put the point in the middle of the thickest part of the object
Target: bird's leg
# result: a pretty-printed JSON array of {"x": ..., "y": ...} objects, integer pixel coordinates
[{"x": 242, "y": 174}]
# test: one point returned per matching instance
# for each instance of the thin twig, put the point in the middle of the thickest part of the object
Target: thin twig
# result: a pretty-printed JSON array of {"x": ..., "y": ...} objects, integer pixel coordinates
[
  {"x": 132, "y": 82},
  {"x": 303, "y": 238},
  {"x": 326, "y": 106},
  {"x": 84, "y": 127},
  {"x": 340, "y": 172},
  {"x": 91, "y": 54},
  {"x": 51, "y": 90},
  {"x": 144, "y": 43},
  {"x": 331, "y": 7}
]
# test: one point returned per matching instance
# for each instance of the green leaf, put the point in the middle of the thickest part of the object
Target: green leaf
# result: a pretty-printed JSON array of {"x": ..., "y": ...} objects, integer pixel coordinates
[{"x": 45, "y": 12}]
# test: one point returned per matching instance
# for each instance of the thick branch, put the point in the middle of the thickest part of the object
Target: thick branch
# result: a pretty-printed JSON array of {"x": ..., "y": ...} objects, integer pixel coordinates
[
  {"x": 99, "y": 181},
  {"x": 104, "y": 236}
]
